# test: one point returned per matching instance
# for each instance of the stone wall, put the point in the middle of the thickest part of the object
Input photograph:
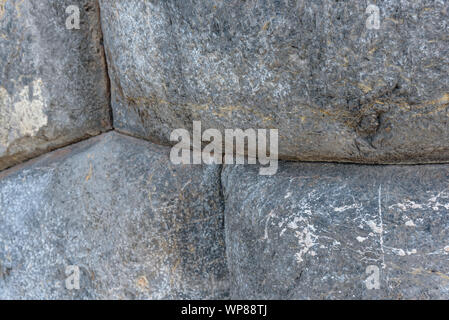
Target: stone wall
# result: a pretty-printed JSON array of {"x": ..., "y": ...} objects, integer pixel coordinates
[{"x": 359, "y": 205}]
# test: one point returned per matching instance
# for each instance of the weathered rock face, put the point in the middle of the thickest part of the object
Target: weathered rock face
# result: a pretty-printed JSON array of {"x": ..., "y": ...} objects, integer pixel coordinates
[
  {"x": 315, "y": 230},
  {"x": 135, "y": 225},
  {"x": 53, "y": 82},
  {"x": 336, "y": 89},
  {"x": 336, "y": 85}
]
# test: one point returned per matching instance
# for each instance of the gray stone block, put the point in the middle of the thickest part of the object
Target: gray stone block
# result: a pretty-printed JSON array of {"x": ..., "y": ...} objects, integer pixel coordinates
[
  {"x": 137, "y": 226},
  {"x": 336, "y": 89},
  {"x": 53, "y": 81},
  {"x": 336, "y": 231}
]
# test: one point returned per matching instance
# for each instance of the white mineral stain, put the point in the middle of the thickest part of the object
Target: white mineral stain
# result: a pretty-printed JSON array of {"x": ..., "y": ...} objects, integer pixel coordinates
[
  {"x": 414, "y": 205},
  {"x": 282, "y": 232},
  {"x": 446, "y": 248},
  {"x": 306, "y": 240},
  {"x": 374, "y": 227},
  {"x": 344, "y": 208},
  {"x": 292, "y": 225},
  {"x": 360, "y": 239},
  {"x": 380, "y": 230},
  {"x": 410, "y": 223},
  {"x": 402, "y": 253},
  {"x": 408, "y": 204},
  {"x": 21, "y": 116},
  {"x": 433, "y": 203}
]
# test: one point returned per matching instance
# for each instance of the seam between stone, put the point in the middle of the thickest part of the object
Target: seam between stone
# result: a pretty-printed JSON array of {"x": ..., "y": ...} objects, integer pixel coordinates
[{"x": 106, "y": 65}]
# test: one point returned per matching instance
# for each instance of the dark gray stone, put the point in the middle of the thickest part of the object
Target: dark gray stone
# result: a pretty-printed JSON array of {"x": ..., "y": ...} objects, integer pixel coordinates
[
  {"x": 53, "y": 81},
  {"x": 312, "y": 230},
  {"x": 136, "y": 225},
  {"x": 336, "y": 90}
]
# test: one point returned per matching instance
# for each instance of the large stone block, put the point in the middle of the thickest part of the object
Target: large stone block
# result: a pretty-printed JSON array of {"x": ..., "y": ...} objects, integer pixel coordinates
[
  {"x": 329, "y": 231},
  {"x": 336, "y": 88},
  {"x": 53, "y": 81},
  {"x": 114, "y": 206}
]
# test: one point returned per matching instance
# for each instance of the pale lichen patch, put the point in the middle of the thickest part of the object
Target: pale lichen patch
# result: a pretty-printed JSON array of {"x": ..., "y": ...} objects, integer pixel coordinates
[
  {"x": 22, "y": 114},
  {"x": 2, "y": 8}
]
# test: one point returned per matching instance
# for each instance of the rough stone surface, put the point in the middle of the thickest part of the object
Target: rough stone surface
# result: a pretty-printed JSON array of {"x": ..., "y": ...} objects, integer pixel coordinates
[
  {"x": 312, "y": 230},
  {"x": 136, "y": 225},
  {"x": 336, "y": 90},
  {"x": 53, "y": 82}
]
